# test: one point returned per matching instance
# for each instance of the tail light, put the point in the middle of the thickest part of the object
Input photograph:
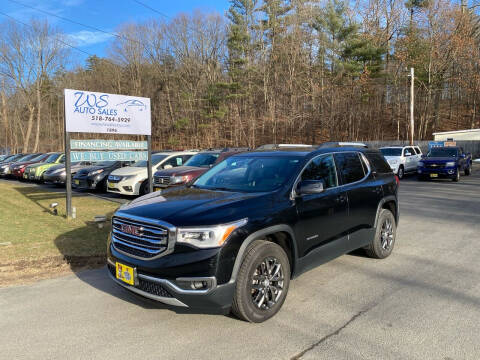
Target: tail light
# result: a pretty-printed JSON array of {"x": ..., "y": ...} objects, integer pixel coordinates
[{"x": 397, "y": 180}]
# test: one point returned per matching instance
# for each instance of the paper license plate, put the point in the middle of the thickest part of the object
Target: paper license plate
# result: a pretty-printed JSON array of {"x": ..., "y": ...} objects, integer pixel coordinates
[
  {"x": 77, "y": 182},
  {"x": 157, "y": 189},
  {"x": 433, "y": 175},
  {"x": 125, "y": 273}
]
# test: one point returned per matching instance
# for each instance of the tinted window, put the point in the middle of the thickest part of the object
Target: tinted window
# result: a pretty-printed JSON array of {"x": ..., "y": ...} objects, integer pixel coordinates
[
  {"x": 378, "y": 162},
  {"x": 391, "y": 151},
  {"x": 407, "y": 151},
  {"x": 202, "y": 160},
  {"x": 417, "y": 150},
  {"x": 321, "y": 168},
  {"x": 249, "y": 174},
  {"x": 349, "y": 166}
]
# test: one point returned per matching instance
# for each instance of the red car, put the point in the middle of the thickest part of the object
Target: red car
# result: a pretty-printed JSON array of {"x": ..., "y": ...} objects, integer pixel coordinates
[
  {"x": 193, "y": 168},
  {"x": 19, "y": 167}
]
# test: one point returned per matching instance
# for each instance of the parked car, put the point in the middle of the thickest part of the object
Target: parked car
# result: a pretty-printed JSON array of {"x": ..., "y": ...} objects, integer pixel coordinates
[
  {"x": 402, "y": 159},
  {"x": 57, "y": 174},
  {"x": 235, "y": 237},
  {"x": 2, "y": 157},
  {"x": 17, "y": 169},
  {"x": 444, "y": 162},
  {"x": 95, "y": 177},
  {"x": 133, "y": 180},
  {"x": 194, "y": 167},
  {"x": 35, "y": 172},
  {"x": 5, "y": 165}
]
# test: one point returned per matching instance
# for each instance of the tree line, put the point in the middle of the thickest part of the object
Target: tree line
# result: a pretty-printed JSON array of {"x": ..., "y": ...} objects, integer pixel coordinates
[{"x": 267, "y": 71}]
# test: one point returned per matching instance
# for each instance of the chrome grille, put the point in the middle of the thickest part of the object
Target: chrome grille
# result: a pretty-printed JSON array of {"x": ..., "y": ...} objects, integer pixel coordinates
[
  {"x": 161, "y": 180},
  {"x": 138, "y": 238},
  {"x": 434, "y": 166}
]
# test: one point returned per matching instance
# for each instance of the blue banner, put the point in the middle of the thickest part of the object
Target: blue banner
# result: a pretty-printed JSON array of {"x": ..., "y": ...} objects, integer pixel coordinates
[{"x": 76, "y": 156}]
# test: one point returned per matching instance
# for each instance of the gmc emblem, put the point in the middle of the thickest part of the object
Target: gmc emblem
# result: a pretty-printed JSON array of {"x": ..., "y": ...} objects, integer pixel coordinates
[{"x": 132, "y": 229}]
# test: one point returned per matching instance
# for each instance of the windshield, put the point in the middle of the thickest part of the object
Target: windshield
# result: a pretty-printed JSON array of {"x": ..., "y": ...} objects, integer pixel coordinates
[
  {"x": 27, "y": 157},
  {"x": 249, "y": 174},
  {"x": 52, "y": 158},
  {"x": 391, "y": 151},
  {"x": 104, "y": 163},
  {"x": 202, "y": 160},
  {"x": 155, "y": 160},
  {"x": 38, "y": 157},
  {"x": 442, "y": 152},
  {"x": 15, "y": 157}
]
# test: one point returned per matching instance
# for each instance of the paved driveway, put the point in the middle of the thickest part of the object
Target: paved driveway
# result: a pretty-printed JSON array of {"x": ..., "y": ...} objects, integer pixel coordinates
[{"x": 421, "y": 303}]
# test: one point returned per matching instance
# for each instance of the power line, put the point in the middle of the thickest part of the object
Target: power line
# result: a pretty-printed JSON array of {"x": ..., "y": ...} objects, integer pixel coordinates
[
  {"x": 61, "y": 41},
  {"x": 76, "y": 22},
  {"x": 151, "y": 8}
]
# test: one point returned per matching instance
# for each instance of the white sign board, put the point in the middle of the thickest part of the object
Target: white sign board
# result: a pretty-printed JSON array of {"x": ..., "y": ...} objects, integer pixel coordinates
[{"x": 94, "y": 112}]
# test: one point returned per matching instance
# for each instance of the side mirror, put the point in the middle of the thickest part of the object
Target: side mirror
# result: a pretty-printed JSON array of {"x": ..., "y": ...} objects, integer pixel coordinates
[
  {"x": 463, "y": 156},
  {"x": 310, "y": 187}
]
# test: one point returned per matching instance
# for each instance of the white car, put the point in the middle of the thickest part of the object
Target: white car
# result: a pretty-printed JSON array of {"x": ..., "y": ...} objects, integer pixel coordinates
[
  {"x": 132, "y": 180},
  {"x": 402, "y": 159}
]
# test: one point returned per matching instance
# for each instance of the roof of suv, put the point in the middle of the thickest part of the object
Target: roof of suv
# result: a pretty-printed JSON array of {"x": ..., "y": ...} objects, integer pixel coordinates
[{"x": 289, "y": 152}]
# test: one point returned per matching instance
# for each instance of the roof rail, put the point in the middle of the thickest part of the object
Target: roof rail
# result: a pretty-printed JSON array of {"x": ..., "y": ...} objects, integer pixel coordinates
[
  {"x": 342, "y": 144},
  {"x": 282, "y": 146}
]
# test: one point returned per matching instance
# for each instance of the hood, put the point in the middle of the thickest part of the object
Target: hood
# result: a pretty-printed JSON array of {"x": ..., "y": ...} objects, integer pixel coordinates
[
  {"x": 180, "y": 170},
  {"x": 88, "y": 169},
  {"x": 184, "y": 206},
  {"x": 130, "y": 170},
  {"x": 36, "y": 165},
  {"x": 439, "y": 159}
]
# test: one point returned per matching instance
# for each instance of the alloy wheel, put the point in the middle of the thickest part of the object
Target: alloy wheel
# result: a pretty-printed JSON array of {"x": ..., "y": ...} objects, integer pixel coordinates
[
  {"x": 386, "y": 236},
  {"x": 267, "y": 283}
]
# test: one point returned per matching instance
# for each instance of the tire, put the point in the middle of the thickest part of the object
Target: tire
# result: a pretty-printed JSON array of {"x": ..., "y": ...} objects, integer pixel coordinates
[
  {"x": 143, "y": 188},
  {"x": 456, "y": 177},
  {"x": 383, "y": 242},
  {"x": 401, "y": 172},
  {"x": 254, "y": 277},
  {"x": 468, "y": 170}
]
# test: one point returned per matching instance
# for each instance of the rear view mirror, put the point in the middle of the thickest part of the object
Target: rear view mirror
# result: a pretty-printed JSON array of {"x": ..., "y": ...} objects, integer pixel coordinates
[{"x": 310, "y": 187}]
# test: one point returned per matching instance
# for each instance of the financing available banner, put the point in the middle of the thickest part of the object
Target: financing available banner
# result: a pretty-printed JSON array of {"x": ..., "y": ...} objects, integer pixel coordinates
[
  {"x": 97, "y": 144},
  {"x": 94, "y": 112}
]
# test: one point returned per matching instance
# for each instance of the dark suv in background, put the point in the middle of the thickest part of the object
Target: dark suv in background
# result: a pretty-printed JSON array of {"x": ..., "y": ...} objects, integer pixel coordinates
[
  {"x": 235, "y": 237},
  {"x": 194, "y": 167}
]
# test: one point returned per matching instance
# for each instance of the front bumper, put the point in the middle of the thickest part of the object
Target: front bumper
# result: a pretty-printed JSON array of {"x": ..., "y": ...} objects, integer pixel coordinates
[
  {"x": 217, "y": 298},
  {"x": 86, "y": 183},
  {"x": 125, "y": 187},
  {"x": 445, "y": 172},
  {"x": 55, "y": 178}
]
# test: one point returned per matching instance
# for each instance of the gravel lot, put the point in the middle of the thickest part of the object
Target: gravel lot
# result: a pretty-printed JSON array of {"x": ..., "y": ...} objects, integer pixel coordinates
[{"x": 421, "y": 303}]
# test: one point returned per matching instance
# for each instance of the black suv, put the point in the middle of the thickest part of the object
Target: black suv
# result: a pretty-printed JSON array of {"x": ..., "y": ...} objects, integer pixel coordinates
[{"x": 235, "y": 237}]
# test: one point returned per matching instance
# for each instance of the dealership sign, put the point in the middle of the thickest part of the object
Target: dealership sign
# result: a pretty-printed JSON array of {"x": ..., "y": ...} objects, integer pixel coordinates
[
  {"x": 94, "y": 112},
  {"x": 76, "y": 156},
  {"x": 108, "y": 145}
]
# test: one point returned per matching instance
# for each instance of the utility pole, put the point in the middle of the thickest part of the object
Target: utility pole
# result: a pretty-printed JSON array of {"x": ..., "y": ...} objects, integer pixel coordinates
[{"x": 412, "y": 121}]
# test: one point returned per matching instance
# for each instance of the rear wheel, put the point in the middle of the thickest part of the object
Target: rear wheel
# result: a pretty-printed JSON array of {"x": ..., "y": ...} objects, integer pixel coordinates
[
  {"x": 383, "y": 242},
  {"x": 262, "y": 282}
]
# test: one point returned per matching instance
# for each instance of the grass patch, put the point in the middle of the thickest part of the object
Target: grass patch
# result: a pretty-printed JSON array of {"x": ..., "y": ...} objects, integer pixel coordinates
[{"x": 31, "y": 236}]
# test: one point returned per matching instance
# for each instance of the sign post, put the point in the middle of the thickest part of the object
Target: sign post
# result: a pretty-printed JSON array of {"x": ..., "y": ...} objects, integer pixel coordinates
[{"x": 94, "y": 112}]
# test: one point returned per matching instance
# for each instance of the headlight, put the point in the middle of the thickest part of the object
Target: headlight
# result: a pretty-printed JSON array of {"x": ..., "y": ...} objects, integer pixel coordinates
[
  {"x": 96, "y": 172},
  {"x": 450, "y": 164},
  {"x": 180, "y": 179},
  {"x": 208, "y": 236},
  {"x": 420, "y": 163}
]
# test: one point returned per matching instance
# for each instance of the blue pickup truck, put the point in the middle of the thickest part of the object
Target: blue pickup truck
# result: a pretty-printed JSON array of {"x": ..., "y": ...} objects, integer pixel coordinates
[{"x": 444, "y": 162}]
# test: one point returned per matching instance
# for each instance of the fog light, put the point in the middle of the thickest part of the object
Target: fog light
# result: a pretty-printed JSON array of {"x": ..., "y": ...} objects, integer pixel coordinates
[
  {"x": 127, "y": 188},
  {"x": 196, "y": 284},
  {"x": 450, "y": 172},
  {"x": 419, "y": 171}
]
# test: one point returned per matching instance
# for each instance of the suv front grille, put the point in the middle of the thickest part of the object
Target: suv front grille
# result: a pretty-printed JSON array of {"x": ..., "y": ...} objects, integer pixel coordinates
[
  {"x": 161, "y": 180},
  {"x": 141, "y": 239},
  {"x": 434, "y": 166}
]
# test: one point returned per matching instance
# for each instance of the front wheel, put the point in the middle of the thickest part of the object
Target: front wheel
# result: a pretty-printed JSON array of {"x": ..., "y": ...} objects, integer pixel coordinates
[
  {"x": 382, "y": 244},
  {"x": 401, "y": 172},
  {"x": 262, "y": 282},
  {"x": 456, "y": 177}
]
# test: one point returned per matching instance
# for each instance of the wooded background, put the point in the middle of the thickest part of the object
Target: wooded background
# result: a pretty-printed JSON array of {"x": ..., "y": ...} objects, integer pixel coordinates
[{"x": 267, "y": 71}]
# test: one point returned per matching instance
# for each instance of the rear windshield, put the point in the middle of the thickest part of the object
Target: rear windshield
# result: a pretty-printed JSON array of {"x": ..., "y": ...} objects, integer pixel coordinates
[
  {"x": 391, "y": 151},
  {"x": 442, "y": 152}
]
